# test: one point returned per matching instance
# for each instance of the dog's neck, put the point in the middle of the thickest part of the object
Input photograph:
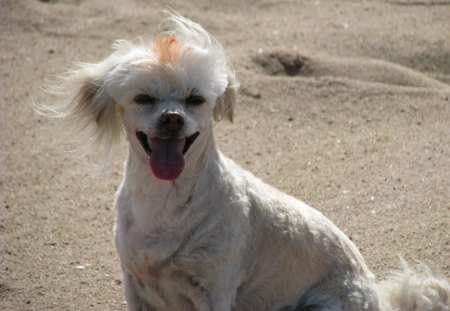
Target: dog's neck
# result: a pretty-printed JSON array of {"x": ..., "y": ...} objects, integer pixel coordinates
[{"x": 158, "y": 203}]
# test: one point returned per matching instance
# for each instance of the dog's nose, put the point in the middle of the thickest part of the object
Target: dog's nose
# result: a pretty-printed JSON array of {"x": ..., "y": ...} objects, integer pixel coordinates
[{"x": 172, "y": 121}]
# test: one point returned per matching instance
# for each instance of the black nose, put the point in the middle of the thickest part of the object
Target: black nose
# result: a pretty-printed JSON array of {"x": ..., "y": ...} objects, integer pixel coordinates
[{"x": 172, "y": 121}]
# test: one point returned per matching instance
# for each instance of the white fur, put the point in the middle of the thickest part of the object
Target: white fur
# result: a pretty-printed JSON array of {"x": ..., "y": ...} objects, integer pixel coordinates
[
  {"x": 216, "y": 237},
  {"x": 407, "y": 289}
]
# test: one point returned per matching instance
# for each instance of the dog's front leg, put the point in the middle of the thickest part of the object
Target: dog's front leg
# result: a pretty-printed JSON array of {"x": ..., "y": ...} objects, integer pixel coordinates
[
  {"x": 220, "y": 300},
  {"x": 134, "y": 302},
  {"x": 221, "y": 304}
]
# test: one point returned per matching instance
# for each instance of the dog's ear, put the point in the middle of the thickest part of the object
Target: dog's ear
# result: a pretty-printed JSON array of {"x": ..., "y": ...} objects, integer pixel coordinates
[
  {"x": 226, "y": 102},
  {"x": 92, "y": 105},
  {"x": 86, "y": 106}
]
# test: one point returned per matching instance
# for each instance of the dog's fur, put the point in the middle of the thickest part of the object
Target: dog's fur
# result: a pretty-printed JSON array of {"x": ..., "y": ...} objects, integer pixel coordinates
[{"x": 213, "y": 236}]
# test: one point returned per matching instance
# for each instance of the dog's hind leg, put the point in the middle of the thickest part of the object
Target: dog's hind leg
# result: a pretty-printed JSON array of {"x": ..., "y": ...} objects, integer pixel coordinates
[
  {"x": 301, "y": 308},
  {"x": 317, "y": 307},
  {"x": 329, "y": 296},
  {"x": 335, "y": 305},
  {"x": 310, "y": 308}
]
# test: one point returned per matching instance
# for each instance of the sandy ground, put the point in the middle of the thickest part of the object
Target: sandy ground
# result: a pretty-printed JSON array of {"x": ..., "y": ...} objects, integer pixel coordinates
[{"x": 343, "y": 104}]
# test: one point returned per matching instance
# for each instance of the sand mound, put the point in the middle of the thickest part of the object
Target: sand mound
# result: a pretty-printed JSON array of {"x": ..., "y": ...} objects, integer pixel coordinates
[{"x": 278, "y": 62}]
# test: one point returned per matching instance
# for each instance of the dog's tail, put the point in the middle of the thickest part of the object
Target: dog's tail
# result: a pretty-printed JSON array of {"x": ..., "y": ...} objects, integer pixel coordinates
[{"x": 414, "y": 290}]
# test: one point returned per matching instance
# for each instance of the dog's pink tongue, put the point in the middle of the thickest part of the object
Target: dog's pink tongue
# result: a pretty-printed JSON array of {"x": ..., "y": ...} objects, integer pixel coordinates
[{"x": 166, "y": 160}]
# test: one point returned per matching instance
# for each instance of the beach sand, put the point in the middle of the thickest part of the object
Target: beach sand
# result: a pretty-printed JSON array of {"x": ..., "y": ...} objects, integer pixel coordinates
[{"x": 343, "y": 104}]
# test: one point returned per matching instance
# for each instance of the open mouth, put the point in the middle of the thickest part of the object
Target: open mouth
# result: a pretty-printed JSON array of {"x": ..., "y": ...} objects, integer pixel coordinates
[
  {"x": 166, "y": 155},
  {"x": 143, "y": 139}
]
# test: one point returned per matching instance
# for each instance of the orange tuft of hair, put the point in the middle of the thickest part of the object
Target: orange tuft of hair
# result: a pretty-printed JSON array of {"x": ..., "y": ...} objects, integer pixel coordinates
[{"x": 167, "y": 48}]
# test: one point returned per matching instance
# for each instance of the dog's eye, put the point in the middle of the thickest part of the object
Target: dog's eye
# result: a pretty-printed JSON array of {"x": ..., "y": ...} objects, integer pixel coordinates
[
  {"x": 144, "y": 99},
  {"x": 195, "y": 100}
]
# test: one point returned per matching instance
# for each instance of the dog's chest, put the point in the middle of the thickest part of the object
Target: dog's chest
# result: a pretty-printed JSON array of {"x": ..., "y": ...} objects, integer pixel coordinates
[
  {"x": 173, "y": 264},
  {"x": 145, "y": 254},
  {"x": 164, "y": 272}
]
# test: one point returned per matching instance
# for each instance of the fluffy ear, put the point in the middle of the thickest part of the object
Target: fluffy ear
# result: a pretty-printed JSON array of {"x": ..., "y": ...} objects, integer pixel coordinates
[
  {"x": 226, "y": 102},
  {"x": 85, "y": 106}
]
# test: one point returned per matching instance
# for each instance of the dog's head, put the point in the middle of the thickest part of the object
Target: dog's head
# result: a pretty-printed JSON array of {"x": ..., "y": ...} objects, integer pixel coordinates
[{"x": 164, "y": 95}]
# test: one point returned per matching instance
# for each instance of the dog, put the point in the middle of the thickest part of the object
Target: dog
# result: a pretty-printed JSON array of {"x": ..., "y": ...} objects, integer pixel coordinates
[{"x": 194, "y": 231}]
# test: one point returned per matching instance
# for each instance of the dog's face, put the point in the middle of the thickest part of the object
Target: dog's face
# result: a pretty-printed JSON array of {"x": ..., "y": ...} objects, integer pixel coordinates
[
  {"x": 165, "y": 94},
  {"x": 167, "y": 101}
]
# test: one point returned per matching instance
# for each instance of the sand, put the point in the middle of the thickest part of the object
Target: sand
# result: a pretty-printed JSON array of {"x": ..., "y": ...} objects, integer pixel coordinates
[{"x": 343, "y": 104}]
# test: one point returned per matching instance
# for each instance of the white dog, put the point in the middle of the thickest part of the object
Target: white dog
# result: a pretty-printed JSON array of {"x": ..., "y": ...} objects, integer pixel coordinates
[{"x": 194, "y": 231}]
